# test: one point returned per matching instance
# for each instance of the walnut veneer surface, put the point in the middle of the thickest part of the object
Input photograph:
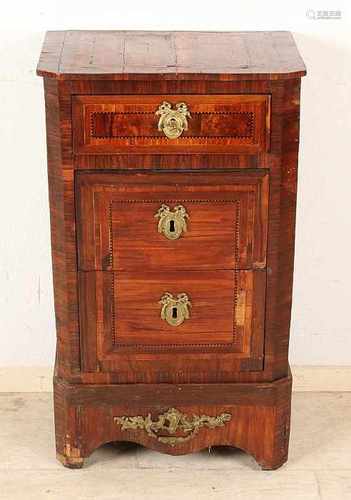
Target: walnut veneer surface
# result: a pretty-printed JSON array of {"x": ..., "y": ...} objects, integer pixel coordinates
[{"x": 172, "y": 163}]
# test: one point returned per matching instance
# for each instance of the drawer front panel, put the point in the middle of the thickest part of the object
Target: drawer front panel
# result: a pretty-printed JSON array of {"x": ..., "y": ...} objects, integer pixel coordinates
[
  {"x": 139, "y": 300},
  {"x": 171, "y": 123},
  {"x": 125, "y": 314},
  {"x": 171, "y": 221}
]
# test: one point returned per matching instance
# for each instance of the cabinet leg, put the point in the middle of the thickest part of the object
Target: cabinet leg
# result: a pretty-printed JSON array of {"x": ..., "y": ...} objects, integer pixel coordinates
[
  {"x": 69, "y": 450},
  {"x": 70, "y": 462},
  {"x": 276, "y": 451}
]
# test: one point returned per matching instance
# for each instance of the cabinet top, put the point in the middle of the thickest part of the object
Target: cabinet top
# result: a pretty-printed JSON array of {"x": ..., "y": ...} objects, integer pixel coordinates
[{"x": 172, "y": 55}]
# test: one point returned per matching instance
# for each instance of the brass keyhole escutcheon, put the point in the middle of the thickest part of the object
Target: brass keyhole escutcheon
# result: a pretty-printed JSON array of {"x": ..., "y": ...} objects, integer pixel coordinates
[
  {"x": 175, "y": 310},
  {"x": 173, "y": 122},
  {"x": 172, "y": 223}
]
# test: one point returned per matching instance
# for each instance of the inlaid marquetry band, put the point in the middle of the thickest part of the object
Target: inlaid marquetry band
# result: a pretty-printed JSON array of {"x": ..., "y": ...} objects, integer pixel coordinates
[{"x": 106, "y": 131}]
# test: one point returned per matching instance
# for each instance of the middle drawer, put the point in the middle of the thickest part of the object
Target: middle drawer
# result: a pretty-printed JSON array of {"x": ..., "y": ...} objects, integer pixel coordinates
[{"x": 168, "y": 221}]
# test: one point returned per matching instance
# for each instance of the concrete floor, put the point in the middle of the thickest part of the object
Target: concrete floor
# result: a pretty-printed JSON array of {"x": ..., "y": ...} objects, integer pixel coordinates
[{"x": 319, "y": 465}]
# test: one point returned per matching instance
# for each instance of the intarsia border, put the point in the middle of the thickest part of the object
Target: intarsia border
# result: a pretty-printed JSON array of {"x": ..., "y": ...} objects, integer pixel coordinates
[{"x": 158, "y": 138}]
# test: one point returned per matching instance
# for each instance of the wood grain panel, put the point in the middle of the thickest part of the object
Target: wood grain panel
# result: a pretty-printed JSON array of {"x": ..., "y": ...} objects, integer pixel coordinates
[
  {"x": 177, "y": 55},
  {"x": 123, "y": 331},
  {"x": 136, "y": 305},
  {"x": 62, "y": 225}
]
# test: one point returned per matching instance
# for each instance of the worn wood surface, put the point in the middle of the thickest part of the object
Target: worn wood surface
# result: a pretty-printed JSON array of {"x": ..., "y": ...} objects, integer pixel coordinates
[
  {"x": 107, "y": 258},
  {"x": 173, "y": 55},
  {"x": 61, "y": 196},
  {"x": 259, "y": 417}
]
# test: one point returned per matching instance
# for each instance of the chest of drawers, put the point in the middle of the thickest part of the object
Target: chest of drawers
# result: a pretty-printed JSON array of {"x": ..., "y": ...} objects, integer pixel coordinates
[{"x": 172, "y": 163}]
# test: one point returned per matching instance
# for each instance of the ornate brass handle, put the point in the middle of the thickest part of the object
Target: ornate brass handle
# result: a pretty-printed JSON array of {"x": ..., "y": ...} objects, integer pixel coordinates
[
  {"x": 172, "y": 222},
  {"x": 175, "y": 310},
  {"x": 170, "y": 422},
  {"x": 173, "y": 122}
]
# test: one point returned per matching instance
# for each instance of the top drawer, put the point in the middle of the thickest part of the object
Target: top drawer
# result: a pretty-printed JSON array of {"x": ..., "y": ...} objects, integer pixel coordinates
[{"x": 171, "y": 123}]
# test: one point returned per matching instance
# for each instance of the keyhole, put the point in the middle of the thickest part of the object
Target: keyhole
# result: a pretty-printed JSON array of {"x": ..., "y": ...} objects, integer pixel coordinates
[
  {"x": 174, "y": 312},
  {"x": 171, "y": 226}
]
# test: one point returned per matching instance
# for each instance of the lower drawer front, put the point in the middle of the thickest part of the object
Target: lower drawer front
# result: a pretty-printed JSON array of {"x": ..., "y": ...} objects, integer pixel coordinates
[{"x": 129, "y": 320}]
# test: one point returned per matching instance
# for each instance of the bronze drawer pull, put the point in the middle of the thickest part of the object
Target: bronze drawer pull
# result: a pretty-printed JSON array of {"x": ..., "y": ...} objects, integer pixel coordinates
[
  {"x": 170, "y": 422},
  {"x": 173, "y": 122},
  {"x": 175, "y": 310},
  {"x": 172, "y": 222}
]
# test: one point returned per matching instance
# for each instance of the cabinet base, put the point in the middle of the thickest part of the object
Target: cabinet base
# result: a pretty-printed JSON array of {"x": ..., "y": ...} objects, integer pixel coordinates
[{"x": 174, "y": 419}]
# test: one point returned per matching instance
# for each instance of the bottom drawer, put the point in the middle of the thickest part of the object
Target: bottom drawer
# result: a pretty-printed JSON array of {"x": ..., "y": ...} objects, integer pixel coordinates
[{"x": 123, "y": 315}]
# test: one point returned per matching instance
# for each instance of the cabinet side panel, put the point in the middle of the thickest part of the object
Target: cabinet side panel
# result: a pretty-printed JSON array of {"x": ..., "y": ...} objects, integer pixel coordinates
[
  {"x": 289, "y": 170},
  {"x": 61, "y": 197},
  {"x": 281, "y": 241}
]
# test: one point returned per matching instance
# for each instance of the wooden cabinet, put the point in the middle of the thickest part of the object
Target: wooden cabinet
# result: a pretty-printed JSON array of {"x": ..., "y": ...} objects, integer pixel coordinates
[{"x": 172, "y": 181}]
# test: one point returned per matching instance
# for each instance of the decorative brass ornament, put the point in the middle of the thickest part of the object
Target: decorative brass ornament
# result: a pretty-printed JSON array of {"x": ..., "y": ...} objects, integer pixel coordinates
[
  {"x": 170, "y": 422},
  {"x": 173, "y": 122},
  {"x": 172, "y": 222},
  {"x": 175, "y": 310}
]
